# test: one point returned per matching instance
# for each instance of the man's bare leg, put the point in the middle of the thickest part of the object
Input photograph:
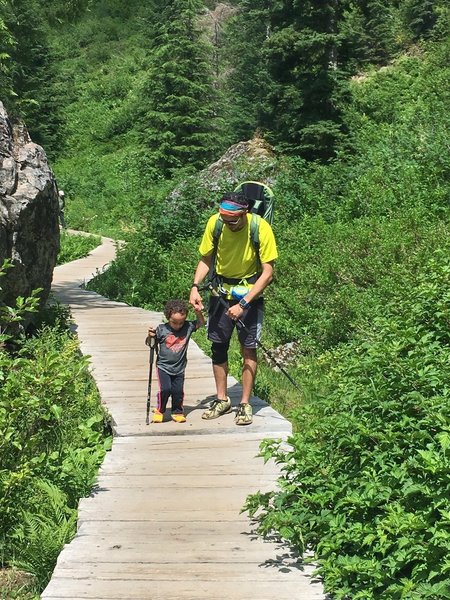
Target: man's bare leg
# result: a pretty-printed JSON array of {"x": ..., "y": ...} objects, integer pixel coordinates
[
  {"x": 248, "y": 373},
  {"x": 220, "y": 375}
]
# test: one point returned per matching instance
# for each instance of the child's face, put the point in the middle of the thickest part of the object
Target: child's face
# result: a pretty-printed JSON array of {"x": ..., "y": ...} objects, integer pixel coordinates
[{"x": 176, "y": 320}]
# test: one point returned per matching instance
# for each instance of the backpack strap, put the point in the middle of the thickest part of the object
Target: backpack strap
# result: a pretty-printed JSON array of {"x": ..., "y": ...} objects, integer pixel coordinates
[
  {"x": 254, "y": 237},
  {"x": 218, "y": 227}
]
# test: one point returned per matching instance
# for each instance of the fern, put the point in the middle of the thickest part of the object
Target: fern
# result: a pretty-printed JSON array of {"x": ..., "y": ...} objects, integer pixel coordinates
[{"x": 41, "y": 537}]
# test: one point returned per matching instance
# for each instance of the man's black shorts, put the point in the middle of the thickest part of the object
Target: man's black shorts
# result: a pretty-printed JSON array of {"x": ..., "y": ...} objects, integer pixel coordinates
[{"x": 220, "y": 326}]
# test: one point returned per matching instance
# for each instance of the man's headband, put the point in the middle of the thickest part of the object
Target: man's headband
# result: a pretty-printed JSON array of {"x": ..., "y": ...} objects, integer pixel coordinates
[{"x": 233, "y": 204}]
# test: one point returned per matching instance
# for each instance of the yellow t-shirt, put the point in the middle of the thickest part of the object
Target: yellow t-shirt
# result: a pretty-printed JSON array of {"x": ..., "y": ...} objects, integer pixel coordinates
[{"x": 236, "y": 257}]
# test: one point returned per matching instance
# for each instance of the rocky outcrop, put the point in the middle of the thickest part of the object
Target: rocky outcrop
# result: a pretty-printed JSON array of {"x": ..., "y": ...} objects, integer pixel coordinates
[
  {"x": 29, "y": 229},
  {"x": 253, "y": 160},
  {"x": 251, "y": 154}
]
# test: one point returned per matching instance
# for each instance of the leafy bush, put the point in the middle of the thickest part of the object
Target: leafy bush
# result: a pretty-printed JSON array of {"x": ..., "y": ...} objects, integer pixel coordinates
[
  {"x": 366, "y": 481},
  {"x": 53, "y": 436},
  {"x": 104, "y": 192},
  {"x": 44, "y": 529},
  {"x": 146, "y": 274},
  {"x": 344, "y": 271}
]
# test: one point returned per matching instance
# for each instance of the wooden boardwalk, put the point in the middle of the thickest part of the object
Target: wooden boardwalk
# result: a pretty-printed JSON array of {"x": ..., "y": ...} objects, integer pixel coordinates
[{"x": 163, "y": 521}]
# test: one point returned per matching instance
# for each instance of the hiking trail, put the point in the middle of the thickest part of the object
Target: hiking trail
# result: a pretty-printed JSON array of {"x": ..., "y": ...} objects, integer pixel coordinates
[{"x": 163, "y": 521}]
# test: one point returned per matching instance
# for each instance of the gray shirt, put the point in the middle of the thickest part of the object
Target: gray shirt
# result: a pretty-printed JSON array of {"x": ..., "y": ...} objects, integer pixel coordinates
[{"x": 173, "y": 345}]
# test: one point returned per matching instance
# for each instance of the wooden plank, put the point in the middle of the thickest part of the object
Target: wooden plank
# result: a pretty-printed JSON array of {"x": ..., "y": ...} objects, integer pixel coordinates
[
  {"x": 182, "y": 528},
  {"x": 168, "y": 549},
  {"x": 183, "y": 590},
  {"x": 176, "y": 481},
  {"x": 208, "y": 499},
  {"x": 184, "y": 571},
  {"x": 162, "y": 515}
]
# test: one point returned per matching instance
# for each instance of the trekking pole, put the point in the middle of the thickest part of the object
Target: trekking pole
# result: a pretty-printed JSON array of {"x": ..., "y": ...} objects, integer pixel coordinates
[
  {"x": 217, "y": 294},
  {"x": 150, "y": 341}
]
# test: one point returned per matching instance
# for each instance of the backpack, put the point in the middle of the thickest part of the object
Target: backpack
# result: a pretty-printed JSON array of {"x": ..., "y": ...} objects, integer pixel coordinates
[
  {"x": 261, "y": 198},
  {"x": 261, "y": 205}
]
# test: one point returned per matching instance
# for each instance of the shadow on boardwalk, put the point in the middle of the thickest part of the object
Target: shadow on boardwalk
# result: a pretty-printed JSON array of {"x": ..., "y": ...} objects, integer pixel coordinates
[{"x": 164, "y": 520}]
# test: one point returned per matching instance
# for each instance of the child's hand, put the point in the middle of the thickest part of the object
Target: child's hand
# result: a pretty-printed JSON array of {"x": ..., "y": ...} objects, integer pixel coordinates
[
  {"x": 149, "y": 340},
  {"x": 200, "y": 316}
]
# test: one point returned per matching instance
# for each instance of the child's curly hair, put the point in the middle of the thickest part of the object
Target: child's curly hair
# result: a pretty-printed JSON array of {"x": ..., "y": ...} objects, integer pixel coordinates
[{"x": 175, "y": 306}]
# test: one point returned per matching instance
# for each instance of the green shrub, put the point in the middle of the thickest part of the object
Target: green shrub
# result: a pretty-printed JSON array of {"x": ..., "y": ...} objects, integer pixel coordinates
[
  {"x": 366, "y": 482},
  {"x": 146, "y": 274},
  {"x": 53, "y": 437},
  {"x": 45, "y": 527},
  {"x": 343, "y": 271}
]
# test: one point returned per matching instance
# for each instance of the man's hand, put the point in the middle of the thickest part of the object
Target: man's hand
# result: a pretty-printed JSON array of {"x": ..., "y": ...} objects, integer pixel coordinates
[
  {"x": 235, "y": 312},
  {"x": 195, "y": 300},
  {"x": 202, "y": 270}
]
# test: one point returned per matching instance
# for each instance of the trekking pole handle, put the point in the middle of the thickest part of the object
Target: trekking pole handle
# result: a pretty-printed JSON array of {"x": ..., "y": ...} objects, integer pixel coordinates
[
  {"x": 150, "y": 341},
  {"x": 207, "y": 286}
]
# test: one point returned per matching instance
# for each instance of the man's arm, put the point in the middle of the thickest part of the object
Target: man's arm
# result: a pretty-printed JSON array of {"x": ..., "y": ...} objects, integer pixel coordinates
[
  {"x": 261, "y": 283},
  {"x": 236, "y": 311},
  {"x": 200, "y": 273}
]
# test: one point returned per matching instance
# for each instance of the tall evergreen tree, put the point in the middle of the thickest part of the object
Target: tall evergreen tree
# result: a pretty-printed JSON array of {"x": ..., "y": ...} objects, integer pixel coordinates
[
  {"x": 180, "y": 123},
  {"x": 7, "y": 43},
  {"x": 420, "y": 16},
  {"x": 29, "y": 56},
  {"x": 302, "y": 61},
  {"x": 381, "y": 24},
  {"x": 247, "y": 85},
  {"x": 31, "y": 72}
]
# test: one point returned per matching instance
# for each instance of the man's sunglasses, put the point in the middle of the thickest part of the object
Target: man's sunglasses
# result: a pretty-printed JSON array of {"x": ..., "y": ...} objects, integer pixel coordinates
[{"x": 232, "y": 222}]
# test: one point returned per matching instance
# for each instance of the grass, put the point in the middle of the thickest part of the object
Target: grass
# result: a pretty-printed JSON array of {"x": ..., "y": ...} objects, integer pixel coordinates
[
  {"x": 17, "y": 585},
  {"x": 75, "y": 246}
]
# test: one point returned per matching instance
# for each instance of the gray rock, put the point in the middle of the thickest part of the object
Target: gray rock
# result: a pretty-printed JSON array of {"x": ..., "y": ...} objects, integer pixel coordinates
[
  {"x": 253, "y": 159},
  {"x": 29, "y": 228},
  {"x": 239, "y": 159},
  {"x": 285, "y": 355}
]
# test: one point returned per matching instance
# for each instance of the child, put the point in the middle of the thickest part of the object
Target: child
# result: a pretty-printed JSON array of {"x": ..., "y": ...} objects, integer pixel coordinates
[{"x": 172, "y": 339}]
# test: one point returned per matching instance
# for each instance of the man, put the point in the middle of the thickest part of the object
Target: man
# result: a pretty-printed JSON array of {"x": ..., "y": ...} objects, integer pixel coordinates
[{"x": 237, "y": 265}]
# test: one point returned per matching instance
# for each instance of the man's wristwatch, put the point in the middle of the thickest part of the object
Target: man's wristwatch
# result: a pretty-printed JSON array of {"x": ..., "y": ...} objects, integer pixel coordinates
[
  {"x": 243, "y": 303},
  {"x": 194, "y": 285}
]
